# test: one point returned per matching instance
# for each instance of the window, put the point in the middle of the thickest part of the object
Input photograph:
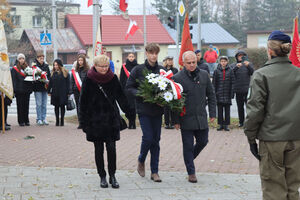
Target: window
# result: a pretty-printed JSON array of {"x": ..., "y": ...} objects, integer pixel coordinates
[
  {"x": 37, "y": 21},
  {"x": 16, "y": 20}
]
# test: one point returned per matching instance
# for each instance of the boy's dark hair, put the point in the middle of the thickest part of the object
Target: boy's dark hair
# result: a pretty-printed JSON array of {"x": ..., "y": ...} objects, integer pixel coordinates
[{"x": 152, "y": 48}]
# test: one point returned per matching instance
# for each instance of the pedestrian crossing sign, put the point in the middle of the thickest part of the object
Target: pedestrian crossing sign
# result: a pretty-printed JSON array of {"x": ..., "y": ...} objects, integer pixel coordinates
[{"x": 45, "y": 39}]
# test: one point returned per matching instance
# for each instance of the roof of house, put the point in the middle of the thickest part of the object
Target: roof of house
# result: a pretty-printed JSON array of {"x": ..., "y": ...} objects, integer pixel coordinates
[
  {"x": 211, "y": 33},
  {"x": 66, "y": 40},
  {"x": 114, "y": 28},
  {"x": 40, "y": 2}
]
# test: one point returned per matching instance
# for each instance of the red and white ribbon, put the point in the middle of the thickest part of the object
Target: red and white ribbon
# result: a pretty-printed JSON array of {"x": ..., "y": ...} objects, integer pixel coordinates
[
  {"x": 77, "y": 79},
  {"x": 20, "y": 72},
  {"x": 176, "y": 87},
  {"x": 126, "y": 70}
]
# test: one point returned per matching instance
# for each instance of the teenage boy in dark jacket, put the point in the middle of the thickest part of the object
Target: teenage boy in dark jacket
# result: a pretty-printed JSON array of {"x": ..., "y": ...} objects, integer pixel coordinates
[
  {"x": 40, "y": 91},
  {"x": 223, "y": 81},
  {"x": 200, "y": 61},
  {"x": 243, "y": 70},
  {"x": 150, "y": 115}
]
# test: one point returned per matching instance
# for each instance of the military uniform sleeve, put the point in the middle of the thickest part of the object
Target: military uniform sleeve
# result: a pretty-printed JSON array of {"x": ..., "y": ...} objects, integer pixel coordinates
[{"x": 257, "y": 99}]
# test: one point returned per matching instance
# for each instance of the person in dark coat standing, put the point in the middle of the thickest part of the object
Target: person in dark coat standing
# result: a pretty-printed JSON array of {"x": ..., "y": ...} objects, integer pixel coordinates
[
  {"x": 168, "y": 114},
  {"x": 200, "y": 61},
  {"x": 22, "y": 90},
  {"x": 40, "y": 91},
  {"x": 193, "y": 123},
  {"x": 124, "y": 74},
  {"x": 59, "y": 89},
  {"x": 99, "y": 115},
  {"x": 7, "y": 102},
  {"x": 77, "y": 77},
  {"x": 243, "y": 71},
  {"x": 150, "y": 115},
  {"x": 223, "y": 81}
]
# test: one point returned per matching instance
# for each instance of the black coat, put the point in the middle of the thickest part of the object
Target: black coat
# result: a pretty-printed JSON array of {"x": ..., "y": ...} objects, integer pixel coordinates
[
  {"x": 223, "y": 87},
  {"x": 59, "y": 89},
  {"x": 82, "y": 74},
  {"x": 202, "y": 65},
  {"x": 123, "y": 80},
  {"x": 101, "y": 121},
  {"x": 242, "y": 75},
  {"x": 136, "y": 76},
  {"x": 196, "y": 87},
  {"x": 20, "y": 86},
  {"x": 39, "y": 86}
]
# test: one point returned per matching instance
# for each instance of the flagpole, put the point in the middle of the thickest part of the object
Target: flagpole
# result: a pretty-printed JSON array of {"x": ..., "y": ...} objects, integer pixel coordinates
[
  {"x": 199, "y": 25},
  {"x": 145, "y": 33},
  {"x": 2, "y": 107},
  {"x": 54, "y": 29},
  {"x": 95, "y": 22}
]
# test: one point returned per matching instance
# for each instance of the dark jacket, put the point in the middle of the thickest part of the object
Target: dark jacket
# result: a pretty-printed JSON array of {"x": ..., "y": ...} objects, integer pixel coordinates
[
  {"x": 20, "y": 86},
  {"x": 59, "y": 89},
  {"x": 136, "y": 76},
  {"x": 242, "y": 75},
  {"x": 273, "y": 102},
  {"x": 101, "y": 121},
  {"x": 223, "y": 84},
  {"x": 39, "y": 86},
  {"x": 196, "y": 87},
  {"x": 82, "y": 74},
  {"x": 202, "y": 65}
]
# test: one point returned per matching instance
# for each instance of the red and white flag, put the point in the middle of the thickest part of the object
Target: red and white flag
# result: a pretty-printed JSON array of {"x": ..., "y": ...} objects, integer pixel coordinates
[
  {"x": 123, "y": 5},
  {"x": 90, "y": 2},
  {"x": 132, "y": 28},
  {"x": 295, "y": 52}
]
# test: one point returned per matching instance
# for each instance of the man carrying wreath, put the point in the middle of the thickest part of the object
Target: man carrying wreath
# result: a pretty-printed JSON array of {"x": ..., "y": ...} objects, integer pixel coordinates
[
  {"x": 193, "y": 120},
  {"x": 149, "y": 114}
]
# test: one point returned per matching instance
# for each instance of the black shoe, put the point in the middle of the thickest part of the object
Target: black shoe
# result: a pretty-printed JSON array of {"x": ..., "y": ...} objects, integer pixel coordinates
[
  {"x": 7, "y": 128},
  {"x": 79, "y": 127},
  {"x": 62, "y": 123},
  {"x": 57, "y": 123},
  {"x": 172, "y": 127},
  {"x": 103, "y": 182},
  {"x": 22, "y": 124},
  {"x": 113, "y": 181},
  {"x": 167, "y": 127},
  {"x": 27, "y": 124},
  {"x": 241, "y": 125},
  {"x": 220, "y": 128},
  {"x": 226, "y": 128},
  {"x": 8, "y": 125}
]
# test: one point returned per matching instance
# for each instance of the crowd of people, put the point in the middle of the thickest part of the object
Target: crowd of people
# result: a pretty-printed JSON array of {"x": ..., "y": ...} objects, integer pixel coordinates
[{"x": 97, "y": 90}]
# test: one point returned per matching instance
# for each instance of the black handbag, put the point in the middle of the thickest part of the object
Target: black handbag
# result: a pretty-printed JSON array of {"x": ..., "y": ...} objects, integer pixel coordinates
[
  {"x": 123, "y": 124},
  {"x": 71, "y": 104}
]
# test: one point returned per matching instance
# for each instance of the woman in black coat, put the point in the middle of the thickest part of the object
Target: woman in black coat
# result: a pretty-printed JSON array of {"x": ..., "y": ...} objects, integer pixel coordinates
[
  {"x": 22, "y": 90},
  {"x": 77, "y": 77},
  {"x": 124, "y": 74},
  {"x": 99, "y": 116},
  {"x": 58, "y": 88},
  {"x": 223, "y": 81}
]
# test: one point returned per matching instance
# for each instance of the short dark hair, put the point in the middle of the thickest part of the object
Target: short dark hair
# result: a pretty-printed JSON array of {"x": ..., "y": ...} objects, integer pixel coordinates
[{"x": 152, "y": 48}]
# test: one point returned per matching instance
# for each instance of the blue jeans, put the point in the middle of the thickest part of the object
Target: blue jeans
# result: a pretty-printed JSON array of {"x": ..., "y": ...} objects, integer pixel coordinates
[
  {"x": 151, "y": 127},
  {"x": 191, "y": 150},
  {"x": 211, "y": 67},
  {"x": 41, "y": 105}
]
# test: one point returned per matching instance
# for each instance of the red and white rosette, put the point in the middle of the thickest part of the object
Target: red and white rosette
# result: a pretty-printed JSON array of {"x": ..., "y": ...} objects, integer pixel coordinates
[{"x": 176, "y": 87}]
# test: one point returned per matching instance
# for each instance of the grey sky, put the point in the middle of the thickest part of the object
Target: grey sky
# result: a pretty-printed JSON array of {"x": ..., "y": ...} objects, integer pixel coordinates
[{"x": 135, "y": 7}]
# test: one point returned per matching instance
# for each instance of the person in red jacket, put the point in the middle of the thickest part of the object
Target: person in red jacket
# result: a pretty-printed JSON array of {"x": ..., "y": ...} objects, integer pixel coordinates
[{"x": 211, "y": 57}]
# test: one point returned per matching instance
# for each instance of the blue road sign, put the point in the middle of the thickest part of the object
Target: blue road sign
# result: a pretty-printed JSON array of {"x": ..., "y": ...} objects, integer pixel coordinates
[{"x": 45, "y": 39}]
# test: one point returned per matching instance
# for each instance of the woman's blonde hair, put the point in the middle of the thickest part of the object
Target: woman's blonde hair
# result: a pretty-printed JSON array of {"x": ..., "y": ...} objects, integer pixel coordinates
[
  {"x": 279, "y": 48},
  {"x": 101, "y": 59}
]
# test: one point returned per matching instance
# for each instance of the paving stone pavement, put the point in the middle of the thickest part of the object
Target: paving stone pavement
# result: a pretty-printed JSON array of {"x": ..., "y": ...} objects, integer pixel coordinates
[{"x": 33, "y": 183}]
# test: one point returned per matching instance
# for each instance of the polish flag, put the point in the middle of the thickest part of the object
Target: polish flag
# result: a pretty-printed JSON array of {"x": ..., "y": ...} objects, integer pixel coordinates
[
  {"x": 131, "y": 29},
  {"x": 90, "y": 2},
  {"x": 123, "y": 5}
]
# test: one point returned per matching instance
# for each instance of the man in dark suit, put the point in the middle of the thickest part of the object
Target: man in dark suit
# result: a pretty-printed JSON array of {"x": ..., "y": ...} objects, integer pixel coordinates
[{"x": 193, "y": 123}]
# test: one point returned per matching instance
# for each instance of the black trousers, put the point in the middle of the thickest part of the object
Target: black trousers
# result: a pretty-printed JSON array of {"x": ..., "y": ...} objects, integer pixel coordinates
[
  {"x": 5, "y": 113},
  {"x": 221, "y": 109},
  {"x": 169, "y": 116},
  {"x": 23, "y": 107},
  {"x": 241, "y": 100},
  {"x": 76, "y": 97},
  {"x": 111, "y": 157},
  {"x": 62, "y": 112}
]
